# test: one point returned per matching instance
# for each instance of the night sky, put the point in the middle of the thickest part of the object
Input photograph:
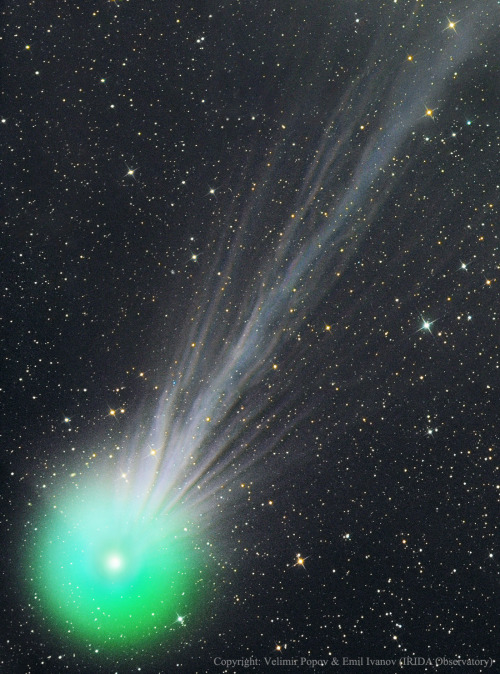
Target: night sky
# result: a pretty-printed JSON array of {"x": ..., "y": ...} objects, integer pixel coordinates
[{"x": 250, "y": 335}]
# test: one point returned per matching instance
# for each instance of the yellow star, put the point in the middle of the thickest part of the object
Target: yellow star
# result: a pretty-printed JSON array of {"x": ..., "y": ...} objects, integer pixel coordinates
[
  {"x": 130, "y": 172},
  {"x": 429, "y": 112},
  {"x": 301, "y": 561},
  {"x": 452, "y": 25}
]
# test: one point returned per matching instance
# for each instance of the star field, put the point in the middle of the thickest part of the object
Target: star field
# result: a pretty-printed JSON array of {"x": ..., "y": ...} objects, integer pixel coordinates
[{"x": 250, "y": 335}]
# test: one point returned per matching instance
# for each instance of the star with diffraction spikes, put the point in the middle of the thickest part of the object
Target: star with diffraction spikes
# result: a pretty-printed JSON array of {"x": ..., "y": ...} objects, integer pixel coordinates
[
  {"x": 301, "y": 561},
  {"x": 452, "y": 25},
  {"x": 130, "y": 172},
  {"x": 427, "y": 325}
]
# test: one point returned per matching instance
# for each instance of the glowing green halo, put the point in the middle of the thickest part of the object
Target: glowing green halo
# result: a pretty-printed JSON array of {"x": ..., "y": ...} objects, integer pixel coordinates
[{"x": 111, "y": 580}]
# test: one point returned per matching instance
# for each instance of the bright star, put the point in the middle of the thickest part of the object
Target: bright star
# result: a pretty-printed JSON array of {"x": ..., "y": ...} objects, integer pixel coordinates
[
  {"x": 451, "y": 25},
  {"x": 427, "y": 325},
  {"x": 180, "y": 620},
  {"x": 130, "y": 172},
  {"x": 301, "y": 561},
  {"x": 429, "y": 112}
]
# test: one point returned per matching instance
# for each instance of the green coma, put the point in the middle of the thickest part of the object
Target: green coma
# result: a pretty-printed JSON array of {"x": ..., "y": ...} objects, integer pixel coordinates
[{"x": 109, "y": 578}]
